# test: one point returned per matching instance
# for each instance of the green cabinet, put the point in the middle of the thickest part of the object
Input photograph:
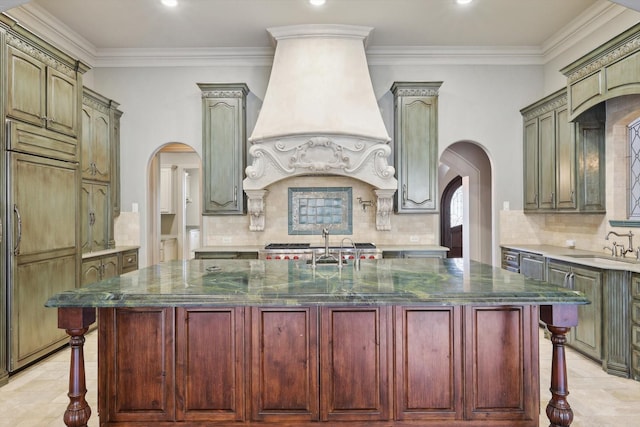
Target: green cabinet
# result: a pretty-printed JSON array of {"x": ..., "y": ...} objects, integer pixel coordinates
[
  {"x": 39, "y": 102},
  {"x": 416, "y": 146},
  {"x": 223, "y": 147},
  {"x": 563, "y": 162},
  {"x": 41, "y": 94},
  {"x": 549, "y": 155},
  {"x": 99, "y": 268},
  {"x": 587, "y": 336},
  {"x": 635, "y": 327},
  {"x": 100, "y": 172},
  {"x": 42, "y": 241},
  {"x": 95, "y": 213}
]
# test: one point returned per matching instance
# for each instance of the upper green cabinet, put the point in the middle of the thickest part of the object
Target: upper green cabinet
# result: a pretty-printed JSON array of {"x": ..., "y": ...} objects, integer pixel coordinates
[
  {"x": 224, "y": 147},
  {"x": 100, "y": 172},
  {"x": 563, "y": 161},
  {"x": 611, "y": 70},
  {"x": 416, "y": 146},
  {"x": 41, "y": 94}
]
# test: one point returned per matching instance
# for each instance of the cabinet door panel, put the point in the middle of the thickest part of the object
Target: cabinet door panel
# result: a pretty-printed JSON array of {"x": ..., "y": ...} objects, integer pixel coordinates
[
  {"x": 566, "y": 161},
  {"x": 531, "y": 164},
  {"x": 587, "y": 335},
  {"x": 91, "y": 271},
  {"x": 141, "y": 388},
  {"x": 355, "y": 364},
  {"x": 26, "y": 88},
  {"x": 284, "y": 358},
  {"x": 426, "y": 356},
  {"x": 62, "y": 102},
  {"x": 547, "y": 161},
  {"x": 210, "y": 362},
  {"x": 501, "y": 366},
  {"x": 100, "y": 208}
]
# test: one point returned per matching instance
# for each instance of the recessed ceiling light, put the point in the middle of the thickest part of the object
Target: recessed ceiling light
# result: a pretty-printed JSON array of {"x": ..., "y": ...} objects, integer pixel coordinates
[
  {"x": 463, "y": 1},
  {"x": 170, "y": 3},
  {"x": 317, "y": 2}
]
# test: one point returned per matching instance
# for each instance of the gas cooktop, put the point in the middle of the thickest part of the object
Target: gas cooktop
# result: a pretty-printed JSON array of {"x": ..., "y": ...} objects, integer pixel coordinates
[{"x": 308, "y": 245}]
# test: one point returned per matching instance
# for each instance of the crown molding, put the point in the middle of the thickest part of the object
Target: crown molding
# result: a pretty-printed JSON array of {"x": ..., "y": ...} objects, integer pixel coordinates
[
  {"x": 53, "y": 30},
  {"x": 584, "y": 24}
]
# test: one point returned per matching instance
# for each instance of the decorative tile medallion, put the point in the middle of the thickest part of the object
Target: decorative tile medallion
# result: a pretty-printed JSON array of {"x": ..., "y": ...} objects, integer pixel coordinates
[{"x": 313, "y": 208}]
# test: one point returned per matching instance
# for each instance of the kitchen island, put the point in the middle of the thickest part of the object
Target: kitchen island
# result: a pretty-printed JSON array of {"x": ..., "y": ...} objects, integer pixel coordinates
[{"x": 398, "y": 342}]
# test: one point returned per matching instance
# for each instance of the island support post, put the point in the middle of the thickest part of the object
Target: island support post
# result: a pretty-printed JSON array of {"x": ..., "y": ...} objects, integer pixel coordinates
[
  {"x": 76, "y": 321},
  {"x": 559, "y": 319}
]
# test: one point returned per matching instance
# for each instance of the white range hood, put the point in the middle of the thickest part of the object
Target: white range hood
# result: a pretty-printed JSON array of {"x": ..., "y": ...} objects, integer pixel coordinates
[{"x": 320, "y": 116}]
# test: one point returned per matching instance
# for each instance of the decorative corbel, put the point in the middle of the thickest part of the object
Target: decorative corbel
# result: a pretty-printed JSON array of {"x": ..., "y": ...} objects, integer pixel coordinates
[
  {"x": 384, "y": 207},
  {"x": 255, "y": 206}
]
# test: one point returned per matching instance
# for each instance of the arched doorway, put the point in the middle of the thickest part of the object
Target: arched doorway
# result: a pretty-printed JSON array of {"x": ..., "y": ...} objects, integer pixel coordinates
[
  {"x": 174, "y": 203},
  {"x": 469, "y": 161},
  {"x": 452, "y": 216}
]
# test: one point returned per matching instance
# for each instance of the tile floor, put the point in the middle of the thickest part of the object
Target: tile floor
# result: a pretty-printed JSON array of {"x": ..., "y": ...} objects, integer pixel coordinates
[{"x": 36, "y": 397}]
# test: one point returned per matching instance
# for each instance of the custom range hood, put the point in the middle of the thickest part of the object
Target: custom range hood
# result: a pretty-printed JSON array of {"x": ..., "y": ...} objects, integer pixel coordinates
[{"x": 320, "y": 117}]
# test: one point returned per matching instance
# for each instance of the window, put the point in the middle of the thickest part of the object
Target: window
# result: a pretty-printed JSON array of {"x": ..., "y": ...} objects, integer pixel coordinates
[
  {"x": 457, "y": 208},
  {"x": 634, "y": 169}
]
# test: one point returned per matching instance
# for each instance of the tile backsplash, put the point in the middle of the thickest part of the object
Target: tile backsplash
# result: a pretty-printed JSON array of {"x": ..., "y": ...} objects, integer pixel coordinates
[{"x": 311, "y": 209}]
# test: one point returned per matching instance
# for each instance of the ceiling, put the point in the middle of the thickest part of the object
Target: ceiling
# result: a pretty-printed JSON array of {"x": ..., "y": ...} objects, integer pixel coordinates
[{"x": 241, "y": 23}]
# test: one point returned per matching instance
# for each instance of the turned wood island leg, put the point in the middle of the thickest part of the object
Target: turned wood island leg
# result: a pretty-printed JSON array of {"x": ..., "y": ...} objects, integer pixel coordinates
[
  {"x": 559, "y": 320},
  {"x": 75, "y": 321}
]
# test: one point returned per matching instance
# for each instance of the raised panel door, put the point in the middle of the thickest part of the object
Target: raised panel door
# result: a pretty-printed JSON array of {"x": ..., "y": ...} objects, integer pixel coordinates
[
  {"x": 355, "y": 364},
  {"x": 43, "y": 250},
  {"x": 417, "y": 150},
  {"x": 284, "y": 361},
  {"x": 587, "y": 336},
  {"x": 26, "y": 89},
  {"x": 110, "y": 267},
  {"x": 566, "y": 161},
  {"x": 91, "y": 271},
  {"x": 547, "y": 161},
  {"x": 62, "y": 103},
  {"x": 210, "y": 364},
  {"x": 141, "y": 388},
  {"x": 96, "y": 154},
  {"x": 224, "y": 148},
  {"x": 100, "y": 216},
  {"x": 501, "y": 363},
  {"x": 223, "y": 154},
  {"x": 531, "y": 169},
  {"x": 426, "y": 356}
]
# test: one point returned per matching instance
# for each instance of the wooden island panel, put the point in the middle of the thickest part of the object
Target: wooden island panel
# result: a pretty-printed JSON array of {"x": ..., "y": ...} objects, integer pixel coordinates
[
  {"x": 284, "y": 364},
  {"x": 308, "y": 365}
]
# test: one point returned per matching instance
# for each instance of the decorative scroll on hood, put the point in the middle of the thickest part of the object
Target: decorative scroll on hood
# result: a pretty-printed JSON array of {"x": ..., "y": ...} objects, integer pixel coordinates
[{"x": 320, "y": 116}]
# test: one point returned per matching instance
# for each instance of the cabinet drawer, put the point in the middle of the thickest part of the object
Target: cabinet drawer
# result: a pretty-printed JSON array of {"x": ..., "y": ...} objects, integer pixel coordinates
[
  {"x": 511, "y": 260},
  {"x": 635, "y": 286},
  {"x": 129, "y": 261}
]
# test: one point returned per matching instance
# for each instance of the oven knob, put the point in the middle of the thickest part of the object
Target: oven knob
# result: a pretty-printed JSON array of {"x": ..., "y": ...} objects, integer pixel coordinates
[
  {"x": 268, "y": 256},
  {"x": 363, "y": 257},
  {"x": 372, "y": 257},
  {"x": 286, "y": 257},
  {"x": 296, "y": 257},
  {"x": 278, "y": 257},
  {"x": 351, "y": 257}
]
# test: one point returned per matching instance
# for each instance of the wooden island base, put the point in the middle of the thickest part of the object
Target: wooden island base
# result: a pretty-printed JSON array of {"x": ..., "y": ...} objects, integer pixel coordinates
[{"x": 467, "y": 365}]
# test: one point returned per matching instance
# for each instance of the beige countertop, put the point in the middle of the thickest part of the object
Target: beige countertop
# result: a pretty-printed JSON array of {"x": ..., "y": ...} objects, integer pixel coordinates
[
  {"x": 103, "y": 252},
  {"x": 578, "y": 256}
]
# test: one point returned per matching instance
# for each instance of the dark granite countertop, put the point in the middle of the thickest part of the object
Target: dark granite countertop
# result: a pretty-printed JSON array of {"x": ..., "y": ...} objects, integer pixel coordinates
[{"x": 256, "y": 282}]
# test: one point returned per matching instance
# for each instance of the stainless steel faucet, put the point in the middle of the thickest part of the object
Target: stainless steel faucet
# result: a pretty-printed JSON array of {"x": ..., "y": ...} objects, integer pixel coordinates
[
  {"x": 325, "y": 235},
  {"x": 615, "y": 246}
]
